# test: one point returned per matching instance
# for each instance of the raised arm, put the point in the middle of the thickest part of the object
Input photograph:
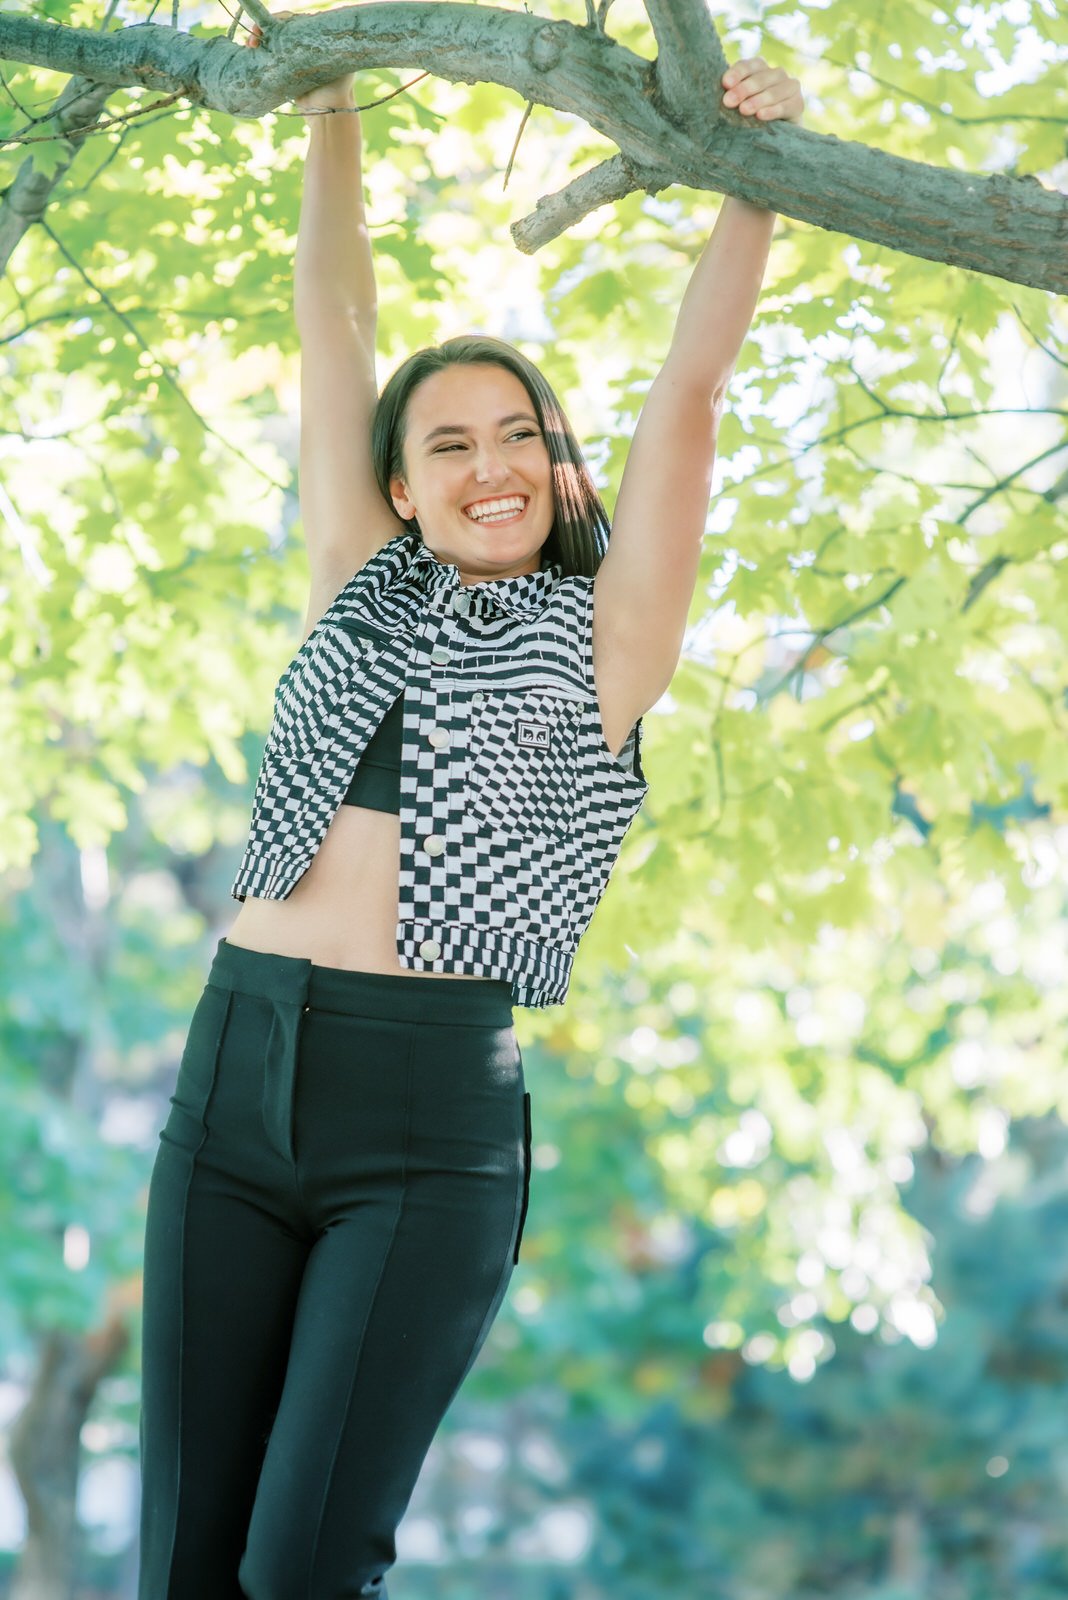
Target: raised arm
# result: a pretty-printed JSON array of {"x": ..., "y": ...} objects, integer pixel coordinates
[
  {"x": 335, "y": 304},
  {"x": 645, "y": 584}
]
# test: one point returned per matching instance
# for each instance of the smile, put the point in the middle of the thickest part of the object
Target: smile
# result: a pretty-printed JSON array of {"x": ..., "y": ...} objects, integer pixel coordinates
[{"x": 509, "y": 508}]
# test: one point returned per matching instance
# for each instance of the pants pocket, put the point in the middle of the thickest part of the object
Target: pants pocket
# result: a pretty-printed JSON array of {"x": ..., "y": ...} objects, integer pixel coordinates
[
  {"x": 197, "y": 1070},
  {"x": 526, "y": 1175}
]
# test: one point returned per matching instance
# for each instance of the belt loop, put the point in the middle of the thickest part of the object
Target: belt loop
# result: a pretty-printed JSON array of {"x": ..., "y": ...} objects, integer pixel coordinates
[{"x": 280, "y": 1064}]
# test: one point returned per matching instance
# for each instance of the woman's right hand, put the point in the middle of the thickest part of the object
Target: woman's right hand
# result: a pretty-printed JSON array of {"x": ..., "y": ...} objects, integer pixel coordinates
[{"x": 329, "y": 96}]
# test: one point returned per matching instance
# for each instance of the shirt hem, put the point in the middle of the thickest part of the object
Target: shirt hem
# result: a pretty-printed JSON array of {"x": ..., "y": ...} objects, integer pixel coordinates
[{"x": 539, "y": 973}]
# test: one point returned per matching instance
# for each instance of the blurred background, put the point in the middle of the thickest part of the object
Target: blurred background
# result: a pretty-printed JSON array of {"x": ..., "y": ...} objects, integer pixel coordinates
[{"x": 792, "y": 1314}]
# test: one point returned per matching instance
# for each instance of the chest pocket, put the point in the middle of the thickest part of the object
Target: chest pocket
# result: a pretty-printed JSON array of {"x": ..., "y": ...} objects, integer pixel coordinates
[
  {"x": 522, "y": 755},
  {"x": 365, "y": 633}
]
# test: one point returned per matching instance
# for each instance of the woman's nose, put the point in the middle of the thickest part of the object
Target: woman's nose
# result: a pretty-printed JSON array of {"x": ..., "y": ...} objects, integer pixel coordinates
[{"x": 489, "y": 468}]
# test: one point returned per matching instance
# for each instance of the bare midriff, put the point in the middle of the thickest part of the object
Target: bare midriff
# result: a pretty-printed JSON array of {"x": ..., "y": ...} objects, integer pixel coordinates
[{"x": 343, "y": 911}]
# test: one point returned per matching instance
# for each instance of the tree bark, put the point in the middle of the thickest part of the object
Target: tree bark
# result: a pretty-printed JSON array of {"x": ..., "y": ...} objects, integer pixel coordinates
[
  {"x": 79, "y": 105},
  {"x": 45, "y": 1452},
  {"x": 664, "y": 116}
]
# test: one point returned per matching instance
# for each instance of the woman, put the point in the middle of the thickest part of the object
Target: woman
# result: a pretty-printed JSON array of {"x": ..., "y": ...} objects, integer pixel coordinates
[{"x": 340, "y": 1190}]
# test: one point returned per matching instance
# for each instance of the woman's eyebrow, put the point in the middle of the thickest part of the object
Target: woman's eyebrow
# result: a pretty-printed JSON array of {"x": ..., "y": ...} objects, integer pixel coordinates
[{"x": 463, "y": 427}]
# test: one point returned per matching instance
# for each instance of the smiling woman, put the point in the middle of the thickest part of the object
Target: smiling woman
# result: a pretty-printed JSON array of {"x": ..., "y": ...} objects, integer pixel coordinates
[
  {"x": 483, "y": 473},
  {"x": 450, "y": 424},
  {"x": 341, "y": 1189}
]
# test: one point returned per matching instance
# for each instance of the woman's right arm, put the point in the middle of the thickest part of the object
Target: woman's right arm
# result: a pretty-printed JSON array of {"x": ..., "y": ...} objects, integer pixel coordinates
[
  {"x": 335, "y": 305},
  {"x": 344, "y": 515}
]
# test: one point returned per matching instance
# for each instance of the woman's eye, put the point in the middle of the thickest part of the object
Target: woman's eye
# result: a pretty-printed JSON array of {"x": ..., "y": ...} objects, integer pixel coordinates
[{"x": 522, "y": 433}]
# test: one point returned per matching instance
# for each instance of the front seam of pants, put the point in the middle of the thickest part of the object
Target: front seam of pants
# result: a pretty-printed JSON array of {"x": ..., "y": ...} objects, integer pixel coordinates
[
  {"x": 343, "y": 1418},
  {"x": 182, "y": 1290}
]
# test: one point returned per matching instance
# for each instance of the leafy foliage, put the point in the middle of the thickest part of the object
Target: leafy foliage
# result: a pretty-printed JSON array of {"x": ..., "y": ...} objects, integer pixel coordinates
[{"x": 790, "y": 1290}]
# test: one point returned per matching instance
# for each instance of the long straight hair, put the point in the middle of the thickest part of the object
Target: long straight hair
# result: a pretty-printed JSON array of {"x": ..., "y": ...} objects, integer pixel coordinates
[{"x": 578, "y": 537}]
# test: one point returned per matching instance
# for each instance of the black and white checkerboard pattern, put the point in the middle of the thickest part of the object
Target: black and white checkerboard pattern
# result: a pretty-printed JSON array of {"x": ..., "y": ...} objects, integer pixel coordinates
[{"x": 513, "y": 808}]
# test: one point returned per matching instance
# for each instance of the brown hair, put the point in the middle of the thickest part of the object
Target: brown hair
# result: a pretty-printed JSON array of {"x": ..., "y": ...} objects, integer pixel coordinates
[{"x": 578, "y": 537}]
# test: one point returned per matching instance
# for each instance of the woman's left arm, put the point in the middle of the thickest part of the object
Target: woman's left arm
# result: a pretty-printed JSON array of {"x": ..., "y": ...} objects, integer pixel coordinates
[{"x": 647, "y": 577}]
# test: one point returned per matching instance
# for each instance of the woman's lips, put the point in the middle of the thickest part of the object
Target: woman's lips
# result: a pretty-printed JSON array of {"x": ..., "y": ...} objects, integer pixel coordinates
[{"x": 499, "y": 522}]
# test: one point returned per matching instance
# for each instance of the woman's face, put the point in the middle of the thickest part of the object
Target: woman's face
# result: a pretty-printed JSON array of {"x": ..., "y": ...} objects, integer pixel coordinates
[{"x": 473, "y": 439}]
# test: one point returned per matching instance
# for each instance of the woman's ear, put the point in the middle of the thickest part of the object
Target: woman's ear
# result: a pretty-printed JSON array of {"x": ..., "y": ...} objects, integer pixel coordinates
[{"x": 403, "y": 503}]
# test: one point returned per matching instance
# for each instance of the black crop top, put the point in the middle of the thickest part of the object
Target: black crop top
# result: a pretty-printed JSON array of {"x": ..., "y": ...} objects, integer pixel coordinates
[{"x": 376, "y": 781}]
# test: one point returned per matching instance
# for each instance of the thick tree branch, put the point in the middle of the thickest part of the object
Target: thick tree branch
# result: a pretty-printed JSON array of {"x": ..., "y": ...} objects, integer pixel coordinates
[
  {"x": 690, "y": 61},
  {"x": 1012, "y": 228}
]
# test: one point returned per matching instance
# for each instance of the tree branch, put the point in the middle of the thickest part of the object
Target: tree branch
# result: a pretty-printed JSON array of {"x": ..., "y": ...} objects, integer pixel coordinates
[
  {"x": 555, "y": 213},
  {"x": 1007, "y": 227},
  {"x": 79, "y": 105},
  {"x": 259, "y": 13},
  {"x": 690, "y": 62}
]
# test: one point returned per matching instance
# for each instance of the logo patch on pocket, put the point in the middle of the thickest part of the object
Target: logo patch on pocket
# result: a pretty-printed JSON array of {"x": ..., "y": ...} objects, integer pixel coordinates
[{"x": 536, "y": 734}]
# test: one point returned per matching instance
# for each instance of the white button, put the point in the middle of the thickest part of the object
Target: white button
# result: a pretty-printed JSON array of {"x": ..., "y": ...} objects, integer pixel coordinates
[
  {"x": 479, "y": 694},
  {"x": 440, "y": 738},
  {"x": 461, "y": 602},
  {"x": 430, "y": 948},
  {"x": 440, "y": 657},
  {"x": 433, "y": 844}
]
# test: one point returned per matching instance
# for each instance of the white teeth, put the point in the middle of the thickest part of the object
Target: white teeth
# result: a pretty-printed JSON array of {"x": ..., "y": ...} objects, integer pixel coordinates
[{"x": 497, "y": 511}]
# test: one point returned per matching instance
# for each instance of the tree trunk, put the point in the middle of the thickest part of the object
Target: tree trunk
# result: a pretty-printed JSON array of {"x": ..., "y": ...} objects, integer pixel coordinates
[{"x": 45, "y": 1450}]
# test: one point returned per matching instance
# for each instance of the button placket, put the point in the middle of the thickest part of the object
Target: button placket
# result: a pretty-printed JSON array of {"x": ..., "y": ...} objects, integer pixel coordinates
[
  {"x": 433, "y": 844},
  {"x": 440, "y": 737}
]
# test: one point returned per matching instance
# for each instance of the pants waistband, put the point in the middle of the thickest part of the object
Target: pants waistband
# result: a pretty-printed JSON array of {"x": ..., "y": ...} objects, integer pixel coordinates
[{"x": 392, "y": 996}]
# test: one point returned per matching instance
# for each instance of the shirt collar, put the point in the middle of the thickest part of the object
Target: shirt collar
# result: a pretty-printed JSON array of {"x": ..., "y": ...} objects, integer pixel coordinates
[{"x": 519, "y": 596}]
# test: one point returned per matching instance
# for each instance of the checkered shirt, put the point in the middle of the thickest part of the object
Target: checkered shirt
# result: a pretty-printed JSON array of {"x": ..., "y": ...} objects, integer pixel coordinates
[{"x": 513, "y": 808}]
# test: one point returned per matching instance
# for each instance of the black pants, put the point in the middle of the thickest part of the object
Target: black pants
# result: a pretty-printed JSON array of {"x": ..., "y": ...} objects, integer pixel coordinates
[{"x": 334, "y": 1215}]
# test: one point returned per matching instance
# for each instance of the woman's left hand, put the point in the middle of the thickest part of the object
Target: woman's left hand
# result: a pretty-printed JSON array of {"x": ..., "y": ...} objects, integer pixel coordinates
[{"x": 762, "y": 91}]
